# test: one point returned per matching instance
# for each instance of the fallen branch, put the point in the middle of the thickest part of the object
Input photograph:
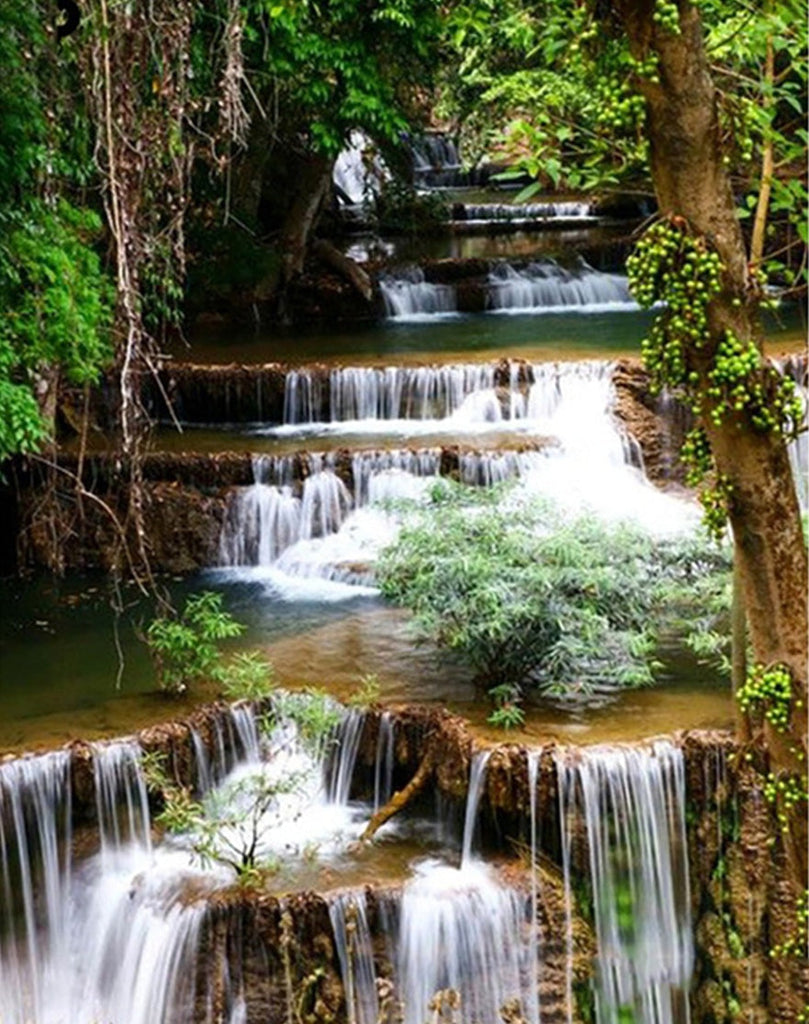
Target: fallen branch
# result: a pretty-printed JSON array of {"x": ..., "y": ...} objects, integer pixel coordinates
[{"x": 400, "y": 799}]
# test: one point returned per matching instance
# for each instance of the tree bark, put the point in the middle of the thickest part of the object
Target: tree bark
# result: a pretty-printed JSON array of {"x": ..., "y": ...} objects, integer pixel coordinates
[
  {"x": 691, "y": 181},
  {"x": 313, "y": 184}
]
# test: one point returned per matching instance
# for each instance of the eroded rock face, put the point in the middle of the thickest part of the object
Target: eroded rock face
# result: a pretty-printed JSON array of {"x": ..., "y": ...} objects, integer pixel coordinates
[
  {"x": 657, "y": 422},
  {"x": 743, "y": 902}
]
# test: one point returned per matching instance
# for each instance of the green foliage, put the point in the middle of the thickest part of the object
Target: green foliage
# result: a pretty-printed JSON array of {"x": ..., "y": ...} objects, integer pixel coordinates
[
  {"x": 247, "y": 676},
  {"x": 367, "y": 692},
  {"x": 529, "y": 597},
  {"x": 313, "y": 711},
  {"x": 344, "y": 65},
  {"x": 401, "y": 209},
  {"x": 226, "y": 827},
  {"x": 672, "y": 267},
  {"x": 56, "y": 301},
  {"x": 507, "y": 712},
  {"x": 185, "y": 647}
]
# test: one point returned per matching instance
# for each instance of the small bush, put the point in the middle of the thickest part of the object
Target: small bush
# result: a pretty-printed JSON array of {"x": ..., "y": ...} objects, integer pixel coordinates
[{"x": 532, "y": 599}]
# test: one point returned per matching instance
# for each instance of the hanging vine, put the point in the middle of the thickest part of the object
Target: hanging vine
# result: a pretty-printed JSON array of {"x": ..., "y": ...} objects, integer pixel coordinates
[{"x": 143, "y": 101}]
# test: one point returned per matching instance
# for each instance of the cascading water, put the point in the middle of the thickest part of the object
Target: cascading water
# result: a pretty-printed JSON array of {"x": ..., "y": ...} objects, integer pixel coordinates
[
  {"x": 485, "y": 212},
  {"x": 477, "y": 783},
  {"x": 384, "y": 475},
  {"x": 409, "y": 296},
  {"x": 265, "y": 519},
  {"x": 549, "y": 288},
  {"x": 352, "y": 936},
  {"x": 383, "y": 769},
  {"x": 367, "y": 393},
  {"x": 36, "y": 876},
  {"x": 632, "y": 802},
  {"x": 115, "y": 936},
  {"x": 122, "y": 802}
]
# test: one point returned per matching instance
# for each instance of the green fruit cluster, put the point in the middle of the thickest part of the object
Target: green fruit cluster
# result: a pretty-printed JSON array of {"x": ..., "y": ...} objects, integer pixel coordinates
[
  {"x": 785, "y": 792},
  {"x": 673, "y": 267},
  {"x": 770, "y": 690},
  {"x": 715, "y": 503},
  {"x": 648, "y": 68},
  {"x": 696, "y": 456},
  {"x": 735, "y": 384},
  {"x": 619, "y": 107},
  {"x": 798, "y": 943},
  {"x": 667, "y": 16}
]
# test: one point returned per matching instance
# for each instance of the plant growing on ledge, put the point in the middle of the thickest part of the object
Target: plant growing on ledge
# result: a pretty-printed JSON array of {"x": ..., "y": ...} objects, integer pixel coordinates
[
  {"x": 532, "y": 599},
  {"x": 186, "y": 647}
]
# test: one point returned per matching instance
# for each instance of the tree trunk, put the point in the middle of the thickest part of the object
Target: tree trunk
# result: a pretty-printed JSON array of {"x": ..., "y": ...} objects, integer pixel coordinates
[
  {"x": 691, "y": 181},
  {"x": 312, "y": 187}
]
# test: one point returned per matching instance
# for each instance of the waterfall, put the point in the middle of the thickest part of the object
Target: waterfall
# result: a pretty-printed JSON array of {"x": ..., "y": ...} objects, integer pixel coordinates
[
  {"x": 346, "y": 745},
  {"x": 409, "y": 296},
  {"x": 390, "y": 474},
  {"x": 485, "y": 469},
  {"x": 477, "y": 783},
  {"x": 526, "y": 211},
  {"x": 462, "y": 930},
  {"x": 533, "y": 775},
  {"x": 35, "y": 873},
  {"x": 632, "y": 801},
  {"x": 367, "y": 393},
  {"x": 352, "y": 938},
  {"x": 120, "y": 786},
  {"x": 359, "y": 171},
  {"x": 383, "y": 768},
  {"x": 549, "y": 288},
  {"x": 303, "y": 396},
  {"x": 265, "y": 519},
  {"x": 436, "y": 162}
]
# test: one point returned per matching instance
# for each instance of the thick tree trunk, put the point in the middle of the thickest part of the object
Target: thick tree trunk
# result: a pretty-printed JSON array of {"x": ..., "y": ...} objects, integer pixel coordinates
[
  {"x": 311, "y": 190},
  {"x": 691, "y": 182}
]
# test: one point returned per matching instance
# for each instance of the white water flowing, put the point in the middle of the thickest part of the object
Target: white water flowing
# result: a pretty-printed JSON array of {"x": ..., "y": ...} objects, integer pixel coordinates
[
  {"x": 462, "y": 929},
  {"x": 549, "y": 288},
  {"x": 526, "y": 212},
  {"x": 114, "y": 937},
  {"x": 410, "y": 297},
  {"x": 632, "y": 801},
  {"x": 477, "y": 784},
  {"x": 355, "y": 952},
  {"x": 321, "y": 530}
]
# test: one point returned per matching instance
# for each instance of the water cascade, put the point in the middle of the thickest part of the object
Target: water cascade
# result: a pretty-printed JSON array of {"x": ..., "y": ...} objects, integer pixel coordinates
[
  {"x": 383, "y": 769},
  {"x": 460, "y": 929},
  {"x": 477, "y": 783},
  {"x": 267, "y": 518},
  {"x": 524, "y": 212},
  {"x": 632, "y": 802},
  {"x": 408, "y": 296},
  {"x": 122, "y": 803},
  {"x": 35, "y": 873},
  {"x": 352, "y": 936},
  {"x": 390, "y": 474},
  {"x": 546, "y": 287}
]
